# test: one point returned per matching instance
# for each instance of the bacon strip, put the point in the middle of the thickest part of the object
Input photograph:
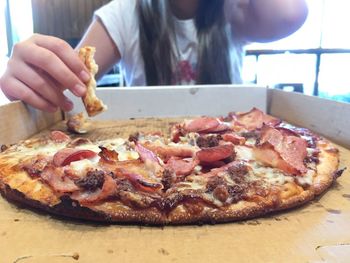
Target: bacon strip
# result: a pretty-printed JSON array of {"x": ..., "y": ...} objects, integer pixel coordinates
[{"x": 56, "y": 178}]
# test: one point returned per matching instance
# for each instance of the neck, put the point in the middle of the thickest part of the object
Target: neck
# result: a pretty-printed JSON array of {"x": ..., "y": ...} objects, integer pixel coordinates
[{"x": 184, "y": 9}]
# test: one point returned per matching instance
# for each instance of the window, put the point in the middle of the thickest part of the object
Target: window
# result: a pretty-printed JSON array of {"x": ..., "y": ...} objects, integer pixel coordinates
[
  {"x": 315, "y": 58},
  {"x": 3, "y": 37}
]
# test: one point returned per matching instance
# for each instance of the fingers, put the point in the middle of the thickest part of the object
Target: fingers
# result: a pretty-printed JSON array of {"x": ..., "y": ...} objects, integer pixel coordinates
[
  {"x": 66, "y": 53},
  {"x": 39, "y": 70},
  {"x": 50, "y": 63},
  {"x": 42, "y": 85},
  {"x": 22, "y": 92}
]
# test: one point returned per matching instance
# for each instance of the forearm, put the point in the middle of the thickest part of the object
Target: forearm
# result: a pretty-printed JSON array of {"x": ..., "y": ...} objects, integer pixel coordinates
[
  {"x": 268, "y": 20},
  {"x": 107, "y": 54}
]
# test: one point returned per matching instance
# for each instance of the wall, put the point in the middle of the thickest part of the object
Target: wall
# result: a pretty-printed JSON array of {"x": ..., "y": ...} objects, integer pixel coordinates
[{"x": 67, "y": 19}]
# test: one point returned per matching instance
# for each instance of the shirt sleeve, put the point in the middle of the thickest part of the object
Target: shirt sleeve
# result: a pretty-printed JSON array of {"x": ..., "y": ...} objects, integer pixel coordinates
[{"x": 118, "y": 17}]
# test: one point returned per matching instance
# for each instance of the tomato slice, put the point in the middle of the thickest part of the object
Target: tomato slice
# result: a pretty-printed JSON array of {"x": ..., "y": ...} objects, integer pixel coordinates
[{"x": 66, "y": 156}]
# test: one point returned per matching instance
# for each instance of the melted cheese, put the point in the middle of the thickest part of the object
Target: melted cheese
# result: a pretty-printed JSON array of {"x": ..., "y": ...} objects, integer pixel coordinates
[
  {"x": 271, "y": 175},
  {"x": 244, "y": 153}
]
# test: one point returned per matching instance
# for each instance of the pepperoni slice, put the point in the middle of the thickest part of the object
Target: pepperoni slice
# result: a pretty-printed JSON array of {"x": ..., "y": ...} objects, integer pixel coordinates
[
  {"x": 58, "y": 136},
  {"x": 202, "y": 124},
  {"x": 216, "y": 153},
  {"x": 66, "y": 156}
]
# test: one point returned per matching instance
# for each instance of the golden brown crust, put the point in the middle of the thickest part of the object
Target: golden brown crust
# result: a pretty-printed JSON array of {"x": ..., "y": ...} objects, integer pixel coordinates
[
  {"x": 77, "y": 124},
  {"x": 327, "y": 167},
  {"x": 93, "y": 105}
]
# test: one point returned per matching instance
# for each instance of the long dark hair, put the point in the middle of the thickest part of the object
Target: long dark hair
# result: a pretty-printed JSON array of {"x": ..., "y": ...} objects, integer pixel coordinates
[{"x": 157, "y": 33}]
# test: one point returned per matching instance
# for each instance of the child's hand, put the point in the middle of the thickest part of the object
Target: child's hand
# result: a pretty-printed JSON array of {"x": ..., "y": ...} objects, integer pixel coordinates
[{"x": 40, "y": 69}]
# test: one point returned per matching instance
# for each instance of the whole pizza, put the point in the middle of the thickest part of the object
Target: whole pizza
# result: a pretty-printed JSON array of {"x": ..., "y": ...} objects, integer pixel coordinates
[{"x": 205, "y": 170}]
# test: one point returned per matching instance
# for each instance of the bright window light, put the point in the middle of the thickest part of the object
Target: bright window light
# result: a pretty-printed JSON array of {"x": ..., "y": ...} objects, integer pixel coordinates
[
  {"x": 308, "y": 36},
  {"x": 21, "y": 19}
]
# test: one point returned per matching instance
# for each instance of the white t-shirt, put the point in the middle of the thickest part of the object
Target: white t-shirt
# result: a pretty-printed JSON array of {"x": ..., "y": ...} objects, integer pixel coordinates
[{"x": 120, "y": 18}]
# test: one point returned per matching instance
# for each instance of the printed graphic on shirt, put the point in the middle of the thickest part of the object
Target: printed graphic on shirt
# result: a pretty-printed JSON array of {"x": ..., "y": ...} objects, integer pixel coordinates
[{"x": 185, "y": 73}]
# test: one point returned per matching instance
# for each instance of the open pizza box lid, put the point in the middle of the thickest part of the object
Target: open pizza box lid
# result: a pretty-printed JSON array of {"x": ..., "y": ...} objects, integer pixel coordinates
[{"x": 316, "y": 232}]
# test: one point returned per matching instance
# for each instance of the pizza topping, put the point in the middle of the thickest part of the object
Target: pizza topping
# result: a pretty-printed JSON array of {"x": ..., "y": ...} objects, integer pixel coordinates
[
  {"x": 234, "y": 138},
  {"x": 78, "y": 142},
  {"x": 216, "y": 153},
  {"x": 109, "y": 156},
  {"x": 224, "y": 192},
  {"x": 57, "y": 179},
  {"x": 146, "y": 155},
  {"x": 58, "y": 136},
  {"x": 167, "y": 151},
  {"x": 98, "y": 194},
  {"x": 208, "y": 141},
  {"x": 181, "y": 166},
  {"x": 237, "y": 170},
  {"x": 255, "y": 119},
  {"x": 203, "y": 124},
  {"x": 169, "y": 177},
  {"x": 290, "y": 150},
  {"x": 67, "y": 155},
  {"x": 36, "y": 165},
  {"x": 93, "y": 180},
  {"x": 140, "y": 183},
  {"x": 134, "y": 137}
]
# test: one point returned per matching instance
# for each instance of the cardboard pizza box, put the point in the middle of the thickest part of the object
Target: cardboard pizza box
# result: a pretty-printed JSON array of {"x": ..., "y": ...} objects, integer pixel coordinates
[{"x": 316, "y": 232}]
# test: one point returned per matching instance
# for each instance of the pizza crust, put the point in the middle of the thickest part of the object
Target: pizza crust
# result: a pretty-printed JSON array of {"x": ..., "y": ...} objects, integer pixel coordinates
[
  {"x": 19, "y": 187},
  {"x": 92, "y": 103}
]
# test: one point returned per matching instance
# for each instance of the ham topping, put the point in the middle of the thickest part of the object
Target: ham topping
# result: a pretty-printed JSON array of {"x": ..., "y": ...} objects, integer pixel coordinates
[
  {"x": 167, "y": 151},
  {"x": 255, "y": 119},
  {"x": 58, "y": 136},
  {"x": 290, "y": 151},
  {"x": 56, "y": 178},
  {"x": 181, "y": 166}
]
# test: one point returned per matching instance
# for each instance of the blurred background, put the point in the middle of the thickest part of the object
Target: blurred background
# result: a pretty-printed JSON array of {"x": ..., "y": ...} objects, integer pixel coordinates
[{"x": 314, "y": 61}]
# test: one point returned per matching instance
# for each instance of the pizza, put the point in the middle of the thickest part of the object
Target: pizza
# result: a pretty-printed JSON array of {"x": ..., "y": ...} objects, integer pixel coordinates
[
  {"x": 204, "y": 170},
  {"x": 92, "y": 103}
]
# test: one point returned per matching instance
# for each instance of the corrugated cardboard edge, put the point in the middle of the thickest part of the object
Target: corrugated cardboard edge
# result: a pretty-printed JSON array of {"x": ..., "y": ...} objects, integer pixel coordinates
[
  {"x": 175, "y": 101},
  {"x": 19, "y": 121},
  {"x": 328, "y": 118}
]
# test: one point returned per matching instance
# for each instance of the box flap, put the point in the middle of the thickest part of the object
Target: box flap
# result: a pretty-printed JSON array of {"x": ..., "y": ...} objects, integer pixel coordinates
[
  {"x": 174, "y": 101},
  {"x": 326, "y": 117},
  {"x": 19, "y": 121}
]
